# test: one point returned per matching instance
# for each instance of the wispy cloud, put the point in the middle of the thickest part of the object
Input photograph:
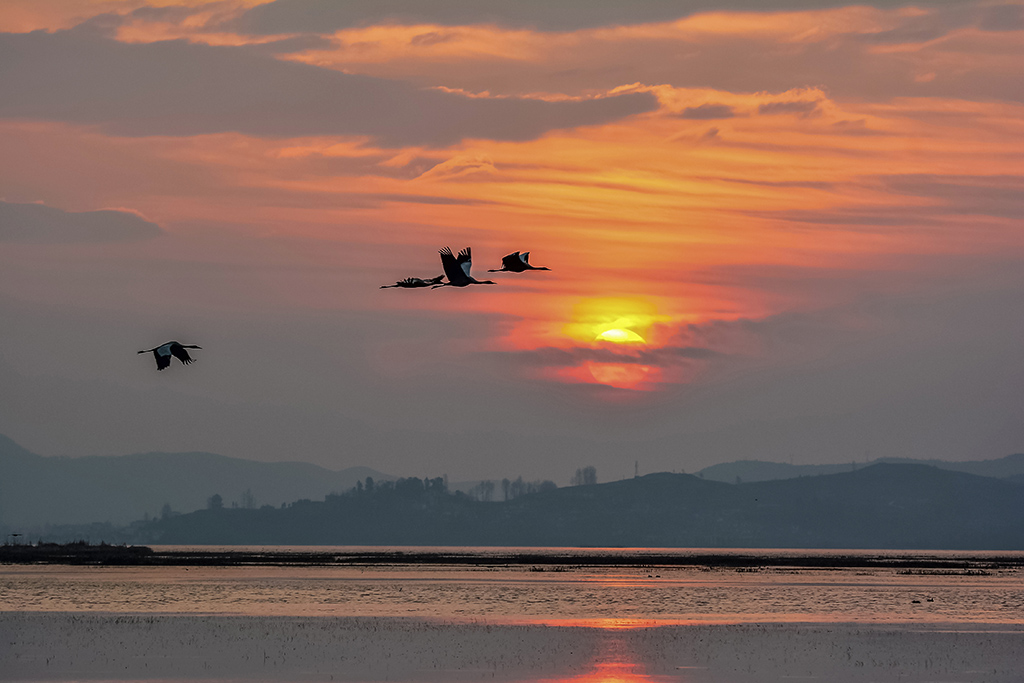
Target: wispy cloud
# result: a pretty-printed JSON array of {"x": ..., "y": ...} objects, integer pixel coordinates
[
  {"x": 999, "y": 196},
  {"x": 799, "y": 107},
  {"x": 707, "y": 112},
  {"x": 39, "y": 224},
  {"x": 300, "y": 16},
  {"x": 572, "y": 356},
  {"x": 1007, "y": 17}
]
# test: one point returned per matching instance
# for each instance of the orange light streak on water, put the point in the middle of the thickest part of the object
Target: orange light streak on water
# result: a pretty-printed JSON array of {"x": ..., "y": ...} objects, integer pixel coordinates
[
  {"x": 614, "y": 660},
  {"x": 608, "y": 672}
]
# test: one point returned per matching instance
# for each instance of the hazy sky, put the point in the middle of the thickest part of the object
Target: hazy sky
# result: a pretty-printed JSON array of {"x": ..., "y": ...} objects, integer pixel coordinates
[{"x": 789, "y": 231}]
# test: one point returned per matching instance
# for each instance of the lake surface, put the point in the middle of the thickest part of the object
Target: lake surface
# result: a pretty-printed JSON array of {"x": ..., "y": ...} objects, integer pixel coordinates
[
  {"x": 564, "y": 618},
  {"x": 551, "y": 593}
]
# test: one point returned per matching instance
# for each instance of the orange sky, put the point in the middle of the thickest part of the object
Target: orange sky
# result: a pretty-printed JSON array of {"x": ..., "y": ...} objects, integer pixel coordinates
[{"x": 767, "y": 164}]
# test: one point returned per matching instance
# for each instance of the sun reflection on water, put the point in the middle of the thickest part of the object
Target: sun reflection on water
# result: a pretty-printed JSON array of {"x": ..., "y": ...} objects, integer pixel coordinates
[
  {"x": 609, "y": 672},
  {"x": 615, "y": 661}
]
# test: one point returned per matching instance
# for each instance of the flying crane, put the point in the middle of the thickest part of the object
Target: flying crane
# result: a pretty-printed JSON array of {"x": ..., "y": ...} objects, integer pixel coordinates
[
  {"x": 457, "y": 269},
  {"x": 517, "y": 262},
  {"x": 414, "y": 282},
  {"x": 164, "y": 352}
]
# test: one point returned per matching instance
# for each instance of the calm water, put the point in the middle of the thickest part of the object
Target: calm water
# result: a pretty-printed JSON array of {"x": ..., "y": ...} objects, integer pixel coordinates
[
  {"x": 603, "y": 596},
  {"x": 643, "y": 624}
]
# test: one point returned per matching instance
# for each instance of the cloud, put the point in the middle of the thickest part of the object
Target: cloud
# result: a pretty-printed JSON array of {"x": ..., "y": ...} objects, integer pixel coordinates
[
  {"x": 431, "y": 38},
  {"x": 997, "y": 196},
  {"x": 710, "y": 135},
  {"x": 1003, "y": 18},
  {"x": 300, "y": 16},
  {"x": 854, "y": 127},
  {"x": 321, "y": 16},
  {"x": 939, "y": 198},
  {"x": 929, "y": 26},
  {"x": 708, "y": 111},
  {"x": 889, "y": 220},
  {"x": 865, "y": 53},
  {"x": 39, "y": 224},
  {"x": 460, "y": 166},
  {"x": 800, "y": 107},
  {"x": 178, "y": 88},
  {"x": 811, "y": 184},
  {"x": 550, "y": 356},
  {"x": 292, "y": 44}
]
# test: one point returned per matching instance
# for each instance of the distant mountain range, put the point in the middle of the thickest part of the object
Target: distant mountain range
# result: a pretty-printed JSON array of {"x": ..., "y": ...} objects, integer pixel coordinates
[
  {"x": 36, "y": 491},
  {"x": 1010, "y": 467},
  {"x": 881, "y": 506},
  {"x": 745, "y": 503}
]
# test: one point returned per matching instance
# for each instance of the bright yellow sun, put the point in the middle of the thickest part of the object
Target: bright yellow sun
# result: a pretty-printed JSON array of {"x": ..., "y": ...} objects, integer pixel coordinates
[
  {"x": 620, "y": 375},
  {"x": 621, "y": 336}
]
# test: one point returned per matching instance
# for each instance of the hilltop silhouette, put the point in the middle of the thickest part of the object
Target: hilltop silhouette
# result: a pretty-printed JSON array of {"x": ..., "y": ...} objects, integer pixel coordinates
[
  {"x": 197, "y": 498},
  {"x": 882, "y": 506},
  {"x": 37, "y": 490},
  {"x": 1008, "y": 467}
]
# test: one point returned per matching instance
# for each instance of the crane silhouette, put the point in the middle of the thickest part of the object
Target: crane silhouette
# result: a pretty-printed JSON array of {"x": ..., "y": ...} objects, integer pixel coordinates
[
  {"x": 415, "y": 282},
  {"x": 517, "y": 262},
  {"x": 457, "y": 269},
  {"x": 164, "y": 352}
]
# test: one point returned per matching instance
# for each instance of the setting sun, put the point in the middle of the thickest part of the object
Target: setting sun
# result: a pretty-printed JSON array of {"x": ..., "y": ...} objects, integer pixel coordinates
[
  {"x": 621, "y": 375},
  {"x": 620, "y": 336}
]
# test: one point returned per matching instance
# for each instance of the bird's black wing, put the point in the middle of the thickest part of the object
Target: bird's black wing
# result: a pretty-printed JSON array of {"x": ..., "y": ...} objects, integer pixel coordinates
[
  {"x": 452, "y": 268},
  {"x": 512, "y": 261},
  {"x": 161, "y": 361},
  {"x": 181, "y": 354},
  {"x": 407, "y": 282}
]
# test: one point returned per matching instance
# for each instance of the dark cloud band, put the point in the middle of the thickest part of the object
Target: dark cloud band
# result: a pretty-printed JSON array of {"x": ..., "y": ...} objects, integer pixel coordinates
[
  {"x": 326, "y": 16},
  {"x": 39, "y": 224},
  {"x": 181, "y": 88}
]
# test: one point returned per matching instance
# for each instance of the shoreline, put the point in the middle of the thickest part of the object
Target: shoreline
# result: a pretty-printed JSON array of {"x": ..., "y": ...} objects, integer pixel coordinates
[
  {"x": 912, "y": 562},
  {"x": 491, "y": 621}
]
